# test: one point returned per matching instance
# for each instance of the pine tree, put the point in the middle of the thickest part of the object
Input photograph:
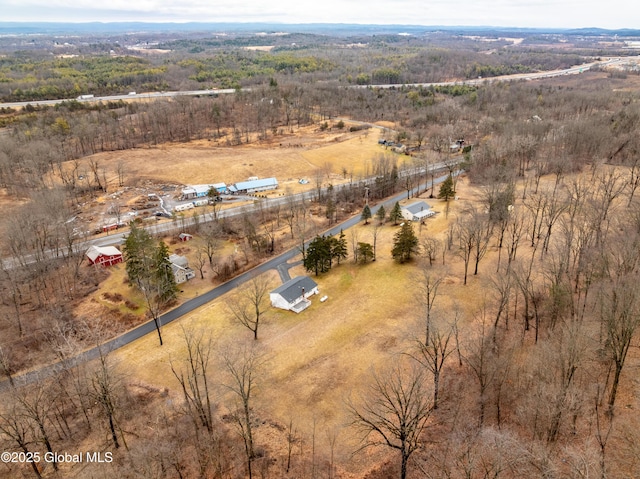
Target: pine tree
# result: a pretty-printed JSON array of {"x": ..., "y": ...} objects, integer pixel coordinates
[
  {"x": 405, "y": 243},
  {"x": 366, "y": 214},
  {"x": 137, "y": 253},
  {"x": 318, "y": 256},
  {"x": 365, "y": 252},
  {"x": 381, "y": 214},
  {"x": 148, "y": 267},
  {"x": 446, "y": 189},
  {"x": 340, "y": 250},
  {"x": 395, "y": 214},
  {"x": 164, "y": 278}
]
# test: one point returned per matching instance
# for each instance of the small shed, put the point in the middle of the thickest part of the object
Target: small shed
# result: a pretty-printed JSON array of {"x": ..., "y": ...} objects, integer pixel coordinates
[
  {"x": 104, "y": 255},
  {"x": 416, "y": 211},
  {"x": 185, "y": 237},
  {"x": 292, "y": 295}
]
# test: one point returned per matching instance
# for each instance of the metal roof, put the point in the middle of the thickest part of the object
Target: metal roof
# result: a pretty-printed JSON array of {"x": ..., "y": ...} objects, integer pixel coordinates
[
  {"x": 247, "y": 185},
  {"x": 199, "y": 189},
  {"x": 417, "y": 207},
  {"x": 95, "y": 251},
  {"x": 292, "y": 289},
  {"x": 178, "y": 260}
]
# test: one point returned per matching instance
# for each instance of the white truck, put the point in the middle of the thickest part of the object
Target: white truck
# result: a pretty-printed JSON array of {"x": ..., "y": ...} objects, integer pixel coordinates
[{"x": 85, "y": 97}]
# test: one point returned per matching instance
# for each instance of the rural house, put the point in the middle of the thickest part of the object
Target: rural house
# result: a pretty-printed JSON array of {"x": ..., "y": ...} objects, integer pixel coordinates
[
  {"x": 293, "y": 294},
  {"x": 185, "y": 237},
  {"x": 104, "y": 255},
  {"x": 254, "y": 186},
  {"x": 180, "y": 268},
  {"x": 416, "y": 211}
]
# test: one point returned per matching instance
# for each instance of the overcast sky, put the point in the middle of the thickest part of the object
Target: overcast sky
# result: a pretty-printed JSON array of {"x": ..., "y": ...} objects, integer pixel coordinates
[{"x": 512, "y": 13}]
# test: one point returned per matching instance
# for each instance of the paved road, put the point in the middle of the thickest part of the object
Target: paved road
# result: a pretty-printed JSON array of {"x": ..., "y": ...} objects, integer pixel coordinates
[
  {"x": 118, "y": 237},
  {"x": 477, "y": 81},
  {"x": 132, "y": 96},
  {"x": 193, "y": 304}
]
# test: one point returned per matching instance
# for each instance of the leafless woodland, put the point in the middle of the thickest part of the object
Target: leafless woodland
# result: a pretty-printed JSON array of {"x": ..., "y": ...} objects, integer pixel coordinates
[{"x": 538, "y": 381}]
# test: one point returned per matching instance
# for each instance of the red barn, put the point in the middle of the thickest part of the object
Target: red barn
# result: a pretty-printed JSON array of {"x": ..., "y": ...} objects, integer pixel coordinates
[
  {"x": 104, "y": 255},
  {"x": 185, "y": 237}
]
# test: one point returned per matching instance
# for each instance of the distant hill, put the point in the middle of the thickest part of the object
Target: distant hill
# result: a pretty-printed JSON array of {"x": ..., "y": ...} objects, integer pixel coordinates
[{"x": 27, "y": 28}]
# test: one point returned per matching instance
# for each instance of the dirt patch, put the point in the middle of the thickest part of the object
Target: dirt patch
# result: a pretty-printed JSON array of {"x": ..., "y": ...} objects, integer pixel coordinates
[{"x": 154, "y": 177}]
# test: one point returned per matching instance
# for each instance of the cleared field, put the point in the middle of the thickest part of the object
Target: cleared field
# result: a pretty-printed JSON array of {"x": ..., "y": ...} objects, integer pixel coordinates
[
  {"x": 287, "y": 157},
  {"x": 317, "y": 359}
]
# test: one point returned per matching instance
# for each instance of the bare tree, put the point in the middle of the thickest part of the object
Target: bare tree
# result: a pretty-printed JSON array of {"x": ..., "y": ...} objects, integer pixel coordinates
[
  {"x": 37, "y": 403},
  {"x": 395, "y": 412},
  {"x": 19, "y": 430},
  {"x": 121, "y": 171},
  {"x": 250, "y": 307},
  {"x": 433, "y": 353},
  {"x": 481, "y": 359},
  {"x": 193, "y": 379},
  {"x": 429, "y": 283},
  {"x": 6, "y": 368},
  {"x": 431, "y": 248},
  {"x": 211, "y": 243},
  {"x": 620, "y": 316},
  {"x": 200, "y": 260},
  {"x": 105, "y": 392},
  {"x": 243, "y": 369}
]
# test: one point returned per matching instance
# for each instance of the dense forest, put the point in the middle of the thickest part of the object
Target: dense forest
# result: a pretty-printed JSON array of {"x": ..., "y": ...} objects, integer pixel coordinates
[
  {"x": 238, "y": 61},
  {"x": 535, "y": 385}
]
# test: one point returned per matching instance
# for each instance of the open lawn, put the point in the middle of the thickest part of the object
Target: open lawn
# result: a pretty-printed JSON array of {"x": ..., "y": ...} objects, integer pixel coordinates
[{"x": 321, "y": 357}]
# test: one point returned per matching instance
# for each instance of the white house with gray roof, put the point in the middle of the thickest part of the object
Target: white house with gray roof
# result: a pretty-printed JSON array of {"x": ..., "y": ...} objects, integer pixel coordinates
[
  {"x": 293, "y": 294},
  {"x": 416, "y": 211}
]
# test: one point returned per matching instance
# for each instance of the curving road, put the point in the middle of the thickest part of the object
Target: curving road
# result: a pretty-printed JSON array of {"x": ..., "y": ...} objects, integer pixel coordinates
[
  {"x": 189, "y": 306},
  {"x": 214, "y": 92}
]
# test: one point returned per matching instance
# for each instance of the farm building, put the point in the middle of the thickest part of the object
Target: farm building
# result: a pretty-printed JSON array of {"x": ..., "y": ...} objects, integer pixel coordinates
[
  {"x": 104, "y": 255},
  {"x": 200, "y": 191},
  {"x": 180, "y": 268},
  {"x": 293, "y": 294},
  {"x": 185, "y": 237},
  {"x": 254, "y": 186},
  {"x": 184, "y": 207},
  {"x": 416, "y": 211}
]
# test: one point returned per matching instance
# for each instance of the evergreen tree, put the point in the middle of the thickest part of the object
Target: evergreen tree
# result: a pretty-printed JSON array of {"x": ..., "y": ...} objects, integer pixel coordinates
[
  {"x": 331, "y": 244},
  {"x": 148, "y": 267},
  {"x": 446, "y": 189},
  {"x": 405, "y": 243},
  {"x": 164, "y": 279},
  {"x": 340, "y": 250},
  {"x": 213, "y": 194},
  {"x": 395, "y": 214},
  {"x": 366, "y": 214},
  {"x": 318, "y": 256},
  {"x": 381, "y": 214},
  {"x": 365, "y": 252},
  {"x": 137, "y": 254}
]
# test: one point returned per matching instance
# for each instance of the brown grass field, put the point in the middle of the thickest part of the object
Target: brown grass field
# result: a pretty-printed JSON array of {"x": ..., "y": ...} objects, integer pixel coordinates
[
  {"x": 288, "y": 157},
  {"x": 318, "y": 359},
  {"x": 321, "y": 357}
]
